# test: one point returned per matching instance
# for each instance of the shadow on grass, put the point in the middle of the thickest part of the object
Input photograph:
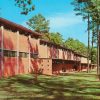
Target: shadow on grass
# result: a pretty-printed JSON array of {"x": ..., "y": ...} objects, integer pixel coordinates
[{"x": 51, "y": 88}]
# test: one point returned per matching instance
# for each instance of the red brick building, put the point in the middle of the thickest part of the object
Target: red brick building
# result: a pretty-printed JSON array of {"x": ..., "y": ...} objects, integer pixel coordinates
[{"x": 22, "y": 50}]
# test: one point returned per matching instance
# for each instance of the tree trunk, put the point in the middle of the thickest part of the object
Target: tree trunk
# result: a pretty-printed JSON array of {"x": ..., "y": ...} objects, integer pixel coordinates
[
  {"x": 92, "y": 43},
  {"x": 93, "y": 35},
  {"x": 98, "y": 51},
  {"x": 88, "y": 51}
]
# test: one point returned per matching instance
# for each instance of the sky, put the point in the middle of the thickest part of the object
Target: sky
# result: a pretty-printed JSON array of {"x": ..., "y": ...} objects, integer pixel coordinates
[{"x": 59, "y": 12}]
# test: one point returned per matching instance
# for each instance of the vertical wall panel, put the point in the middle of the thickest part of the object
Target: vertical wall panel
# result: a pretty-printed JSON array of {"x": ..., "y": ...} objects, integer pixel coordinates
[
  {"x": 9, "y": 66},
  {"x": 0, "y": 52},
  {"x": 0, "y": 37},
  {"x": 23, "y": 43},
  {"x": 0, "y": 66},
  {"x": 43, "y": 51},
  {"x": 26, "y": 64},
  {"x": 48, "y": 52},
  {"x": 10, "y": 41},
  {"x": 60, "y": 54},
  {"x": 33, "y": 45},
  {"x": 21, "y": 66}
]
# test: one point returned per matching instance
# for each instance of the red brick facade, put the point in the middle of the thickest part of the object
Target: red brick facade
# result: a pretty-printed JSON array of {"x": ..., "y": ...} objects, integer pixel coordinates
[{"x": 22, "y": 51}]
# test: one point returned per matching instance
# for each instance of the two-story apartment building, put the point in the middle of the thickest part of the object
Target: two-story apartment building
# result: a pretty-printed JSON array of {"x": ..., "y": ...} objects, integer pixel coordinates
[{"x": 23, "y": 51}]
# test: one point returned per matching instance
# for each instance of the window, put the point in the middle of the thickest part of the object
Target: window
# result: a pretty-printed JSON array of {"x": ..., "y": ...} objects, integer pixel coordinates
[
  {"x": 5, "y": 53},
  {"x": 23, "y": 54},
  {"x": 12, "y": 53},
  {"x": 34, "y": 55},
  {"x": 8, "y": 53}
]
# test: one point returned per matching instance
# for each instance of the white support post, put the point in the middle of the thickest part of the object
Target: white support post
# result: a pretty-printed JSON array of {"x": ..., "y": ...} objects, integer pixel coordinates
[
  {"x": 47, "y": 55},
  {"x": 29, "y": 53},
  {"x": 2, "y": 48},
  {"x": 17, "y": 52},
  {"x": 39, "y": 48}
]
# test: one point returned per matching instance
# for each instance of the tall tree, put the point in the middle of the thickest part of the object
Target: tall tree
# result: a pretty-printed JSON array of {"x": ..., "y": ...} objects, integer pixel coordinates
[
  {"x": 80, "y": 7},
  {"x": 39, "y": 24},
  {"x": 88, "y": 9}
]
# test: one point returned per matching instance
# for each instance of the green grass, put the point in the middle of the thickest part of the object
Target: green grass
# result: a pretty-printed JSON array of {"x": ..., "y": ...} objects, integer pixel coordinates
[{"x": 73, "y": 86}]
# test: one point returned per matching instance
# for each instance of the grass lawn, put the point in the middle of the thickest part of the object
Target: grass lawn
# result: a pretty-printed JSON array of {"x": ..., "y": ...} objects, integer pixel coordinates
[{"x": 73, "y": 86}]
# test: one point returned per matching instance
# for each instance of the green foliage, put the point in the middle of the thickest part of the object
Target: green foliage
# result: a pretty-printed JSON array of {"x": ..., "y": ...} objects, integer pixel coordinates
[
  {"x": 96, "y": 10},
  {"x": 83, "y": 7},
  {"x": 46, "y": 36},
  {"x": 56, "y": 38},
  {"x": 39, "y": 24},
  {"x": 76, "y": 45},
  {"x": 26, "y": 6},
  {"x": 93, "y": 55}
]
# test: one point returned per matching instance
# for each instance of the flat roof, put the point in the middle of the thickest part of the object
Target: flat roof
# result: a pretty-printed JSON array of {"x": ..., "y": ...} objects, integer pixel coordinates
[{"x": 16, "y": 27}]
